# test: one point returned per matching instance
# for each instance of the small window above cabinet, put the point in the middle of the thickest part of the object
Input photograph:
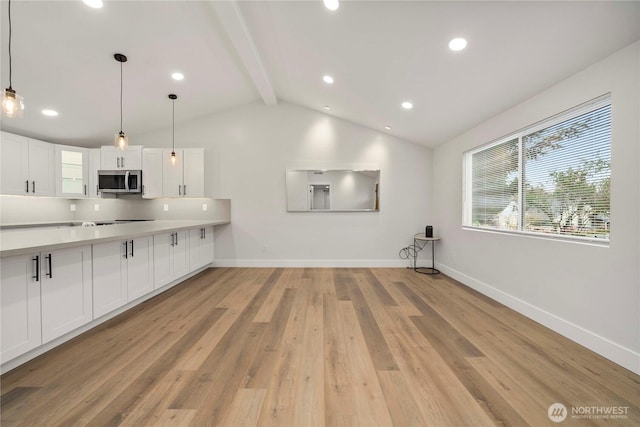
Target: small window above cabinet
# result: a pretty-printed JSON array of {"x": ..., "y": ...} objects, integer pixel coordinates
[{"x": 72, "y": 171}]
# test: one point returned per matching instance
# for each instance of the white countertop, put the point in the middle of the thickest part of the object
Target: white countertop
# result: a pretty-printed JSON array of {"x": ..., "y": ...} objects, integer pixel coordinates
[{"x": 30, "y": 240}]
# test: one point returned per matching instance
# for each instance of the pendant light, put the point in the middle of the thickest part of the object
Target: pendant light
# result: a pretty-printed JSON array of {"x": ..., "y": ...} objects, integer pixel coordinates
[
  {"x": 12, "y": 103},
  {"x": 173, "y": 98},
  {"x": 121, "y": 140}
]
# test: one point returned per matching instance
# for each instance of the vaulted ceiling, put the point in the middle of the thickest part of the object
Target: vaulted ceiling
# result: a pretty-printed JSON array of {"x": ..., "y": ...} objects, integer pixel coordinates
[{"x": 380, "y": 53}]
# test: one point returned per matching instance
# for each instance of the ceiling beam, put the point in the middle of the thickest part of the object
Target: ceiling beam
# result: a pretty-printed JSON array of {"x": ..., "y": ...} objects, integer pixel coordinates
[{"x": 235, "y": 26}]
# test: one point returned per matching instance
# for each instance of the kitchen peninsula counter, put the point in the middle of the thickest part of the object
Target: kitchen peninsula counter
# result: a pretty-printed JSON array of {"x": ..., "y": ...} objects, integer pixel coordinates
[{"x": 27, "y": 240}]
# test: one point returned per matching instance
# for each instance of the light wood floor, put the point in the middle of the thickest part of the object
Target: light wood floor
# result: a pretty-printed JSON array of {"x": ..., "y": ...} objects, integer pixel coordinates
[{"x": 315, "y": 347}]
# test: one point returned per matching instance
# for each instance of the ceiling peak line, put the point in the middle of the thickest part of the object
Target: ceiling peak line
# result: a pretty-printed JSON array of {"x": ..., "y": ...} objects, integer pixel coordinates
[{"x": 236, "y": 28}]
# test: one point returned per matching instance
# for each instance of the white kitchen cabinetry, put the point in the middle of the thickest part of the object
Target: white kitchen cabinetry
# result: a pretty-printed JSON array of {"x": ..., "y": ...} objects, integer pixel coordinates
[
  {"x": 72, "y": 171},
  {"x": 94, "y": 166},
  {"x": 65, "y": 290},
  {"x": 122, "y": 272},
  {"x": 152, "y": 173},
  {"x": 27, "y": 166},
  {"x": 183, "y": 177},
  {"x": 19, "y": 305},
  {"x": 170, "y": 256},
  {"x": 200, "y": 247},
  {"x": 112, "y": 158}
]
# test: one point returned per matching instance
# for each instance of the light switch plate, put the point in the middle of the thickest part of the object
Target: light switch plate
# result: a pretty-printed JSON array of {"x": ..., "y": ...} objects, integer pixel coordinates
[
  {"x": 96, "y": 207},
  {"x": 73, "y": 207},
  {"x": 165, "y": 207},
  {"x": 204, "y": 207}
]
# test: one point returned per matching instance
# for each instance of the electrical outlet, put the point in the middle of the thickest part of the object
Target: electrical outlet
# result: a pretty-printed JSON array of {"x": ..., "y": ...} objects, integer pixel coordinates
[
  {"x": 96, "y": 207},
  {"x": 204, "y": 207},
  {"x": 165, "y": 207},
  {"x": 73, "y": 207}
]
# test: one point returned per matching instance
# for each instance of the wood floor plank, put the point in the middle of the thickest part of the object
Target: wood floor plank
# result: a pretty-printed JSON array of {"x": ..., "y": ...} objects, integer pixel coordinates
[
  {"x": 153, "y": 406},
  {"x": 369, "y": 403},
  {"x": 339, "y": 390},
  {"x": 245, "y": 408},
  {"x": 263, "y": 364},
  {"x": 316, "y": 347},
  {"x": 175, "y": 417},
  {"x": 280, "y": 400},
  {"x": 376, "y": 343}
]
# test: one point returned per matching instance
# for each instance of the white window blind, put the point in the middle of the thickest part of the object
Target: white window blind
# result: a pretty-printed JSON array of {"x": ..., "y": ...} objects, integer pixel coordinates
[{"x": 552, "y": 178}]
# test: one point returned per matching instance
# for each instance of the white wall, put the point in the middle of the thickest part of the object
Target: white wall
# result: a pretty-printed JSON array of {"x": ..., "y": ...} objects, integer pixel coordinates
[
  {"x": 248, "y": 150},
  {"x": 589, "y": 293}
]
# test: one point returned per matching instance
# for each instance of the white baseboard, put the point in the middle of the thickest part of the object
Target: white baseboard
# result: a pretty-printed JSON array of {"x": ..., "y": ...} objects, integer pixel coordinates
[
  {"x": 616, "y": 353},
  {"x": 301, "y": 263}
]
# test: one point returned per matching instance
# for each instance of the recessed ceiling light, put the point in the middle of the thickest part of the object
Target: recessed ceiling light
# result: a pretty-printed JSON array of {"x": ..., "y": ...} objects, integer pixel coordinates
[
  {"x": 96, "y": 4},
  {"x": 331, "y": 4},
  {"x": 326, "y": 107},
  {"x": 407, "y": 105},
  {"x": 387, "y": 127},
  {"x": 457, "y": 44},
  {"x": 328, "y": 79},
  {"x": 177, "y": 76},
  {"x": 50, "y": 113}
]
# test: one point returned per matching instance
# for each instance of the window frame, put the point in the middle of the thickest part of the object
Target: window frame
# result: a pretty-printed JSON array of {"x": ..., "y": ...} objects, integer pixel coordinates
[{"x": 467, "y": 173}]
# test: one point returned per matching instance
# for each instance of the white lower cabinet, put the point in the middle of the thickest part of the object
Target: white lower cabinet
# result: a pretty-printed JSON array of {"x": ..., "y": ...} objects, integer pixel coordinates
[
  {"x": 66, "y": 291},
  {"x": 19, "y": 305},
  {"x": 200, "y": 247},
  {"x": 122, "y": 272},
  {"x": 170, "y": 256},
  {"x": 48, "y": 294}
]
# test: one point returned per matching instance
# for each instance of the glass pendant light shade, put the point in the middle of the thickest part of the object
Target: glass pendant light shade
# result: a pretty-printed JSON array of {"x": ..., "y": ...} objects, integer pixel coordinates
[
  {"x": 121, "y": 140},
  {"x": 12, "y": 104}
]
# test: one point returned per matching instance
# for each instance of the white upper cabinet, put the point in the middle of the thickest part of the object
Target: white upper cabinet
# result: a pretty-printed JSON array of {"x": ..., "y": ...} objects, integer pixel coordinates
[
  {"x": 72, "y": 171},
  {"x": 112, "y": 158},
  {"x": 27, "y": 166},
  {"x": 94, "y": 166},
  {"x": 152, "y": 173},
  {"x": 183, "y": 177}
]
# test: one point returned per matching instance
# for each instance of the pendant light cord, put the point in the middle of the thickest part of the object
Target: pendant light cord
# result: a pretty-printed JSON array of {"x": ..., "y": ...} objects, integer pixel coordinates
[
  {"x": 173, "y": 125},
  {"x": 120, "y": 97},
  {"x": 10, "y": 44}
]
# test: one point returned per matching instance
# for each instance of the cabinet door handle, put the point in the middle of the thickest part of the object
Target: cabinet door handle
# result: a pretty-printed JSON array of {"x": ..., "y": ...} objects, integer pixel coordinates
[
  {"x": 176, "y": 239},
  {"x": 204, "y": 233},
  {"x": 126, "y": 249},
  {"x": 27, "y": 182},
  {"x": 97, "y": 190},
  {"x": 33, "y": 187},
  {"x": 179, "y": 190},
  {"x": 184, "y": 190},
  {"x": 122, "y": 161},
  {"x": 143, "y": 189},
  {"x": 173, "y": 239},
  {"x": 117, "y": 162},
  {"x": 132, "y": 249},
  {"x": 37, "y": 260},
  {"x": 85, "y": 189},
  {"x": 50, "y": 273}
]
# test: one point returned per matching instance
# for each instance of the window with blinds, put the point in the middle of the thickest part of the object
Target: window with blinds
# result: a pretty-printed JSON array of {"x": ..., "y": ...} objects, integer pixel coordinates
[{"x": 551, "y": 178}]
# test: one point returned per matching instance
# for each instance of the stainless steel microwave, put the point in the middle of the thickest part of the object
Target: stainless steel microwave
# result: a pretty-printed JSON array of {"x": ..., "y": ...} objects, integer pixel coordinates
[{"x": 120, "y": 181}]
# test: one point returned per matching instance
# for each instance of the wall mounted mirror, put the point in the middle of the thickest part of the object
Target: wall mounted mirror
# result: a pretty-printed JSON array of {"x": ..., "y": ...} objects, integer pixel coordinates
[{"x": 343, "y": 190}]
